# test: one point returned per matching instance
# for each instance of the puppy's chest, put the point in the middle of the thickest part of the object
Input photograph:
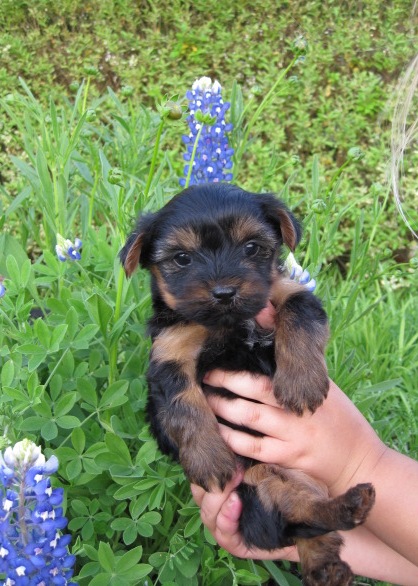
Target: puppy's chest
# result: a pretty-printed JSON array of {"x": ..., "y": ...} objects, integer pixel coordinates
[{"x": 246, "y": 348}]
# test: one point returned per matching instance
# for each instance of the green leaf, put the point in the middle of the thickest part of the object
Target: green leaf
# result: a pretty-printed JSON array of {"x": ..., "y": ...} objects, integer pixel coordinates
[
  {"x": 87, "y": 390},
  {"x": 129, "y": 559},
  {"x": 32, "y": 424},
  {"x": 25, "y": 272},
  {"x": 130, "y": 534},
  {"x": 68, "y": 421},
  {"x": 74, "y": 468},
  {"x": 65, "y": 404},
  {"x": 193, "y": 525},
  {"x": 13, "y": 270},
  {"x": 31, "y": 349},
  {"x": 91, "y": 552},
  {"x": 279, "y": 576},
  {"x": 85, "y": 335},
  {"x": 118, "y": 448},
  {"x": 137, "y": 572},
  {"x": 147, "y": 483},
  {"x": 126, "y": 492},
  {"x": 121, "y": 524},
  {"x": 100, "y": 311},
  {"x": 58, "y": 334},
  {"x": 7, "y": 373},
  {"x": 42, "y": 332},
  {"x": 71, "y": 319},
  {"x": 78, "y": 439},
  {"x": 36, "y": 360},
  {"x": 106, "y": 557},
  {"x": 80, "y": 508},
  {"x": 144, "y": 529},
  {"x": 100, "y": 580},
  {"x": 188, "y": 566},
  {"x": 159, "y": 558},
  {"x": 151, "y": 517},
  {"x": 114, "y": 394},
  {"x": 49, "y": 430},
  {"x": 245, "y": 578}
]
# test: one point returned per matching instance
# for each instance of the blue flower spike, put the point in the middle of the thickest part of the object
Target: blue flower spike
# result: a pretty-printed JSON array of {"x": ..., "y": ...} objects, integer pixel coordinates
[
  {"x": 213, "y": 159},
  {"x": 67, "y": 250},
  {"x": 297, "y": 274},
  {"x": 2, "y": 287},
  {"x": 33, "y": 551}
]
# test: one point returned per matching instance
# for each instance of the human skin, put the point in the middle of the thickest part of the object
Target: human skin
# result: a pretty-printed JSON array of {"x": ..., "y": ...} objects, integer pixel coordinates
[{"x": 335, "y": 445}]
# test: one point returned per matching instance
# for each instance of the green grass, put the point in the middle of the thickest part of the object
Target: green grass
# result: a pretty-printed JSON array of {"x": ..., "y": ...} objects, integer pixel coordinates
[{"x": 81, "y": 159}]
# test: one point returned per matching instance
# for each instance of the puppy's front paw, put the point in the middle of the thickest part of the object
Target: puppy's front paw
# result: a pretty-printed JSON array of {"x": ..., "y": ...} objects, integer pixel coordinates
[
  {"x": 298, "y": 389},
  {"x": 209, "y": 462},
  {"x": 357, "y": 502}
]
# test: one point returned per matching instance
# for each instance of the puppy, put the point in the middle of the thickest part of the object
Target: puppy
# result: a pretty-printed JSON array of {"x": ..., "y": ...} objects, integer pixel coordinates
[{"x": 213, "y": 254}]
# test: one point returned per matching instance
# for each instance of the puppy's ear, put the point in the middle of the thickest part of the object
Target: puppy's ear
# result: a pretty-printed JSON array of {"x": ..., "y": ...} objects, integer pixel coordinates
[
  {"x": 135, "y": 250},
  {"x": 282, "y": 219}
]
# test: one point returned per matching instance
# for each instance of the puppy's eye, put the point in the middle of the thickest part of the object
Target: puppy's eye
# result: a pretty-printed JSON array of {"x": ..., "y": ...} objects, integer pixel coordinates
[
  {"x": 251, "y": 249},
  {"x": 182, "y": 259}
]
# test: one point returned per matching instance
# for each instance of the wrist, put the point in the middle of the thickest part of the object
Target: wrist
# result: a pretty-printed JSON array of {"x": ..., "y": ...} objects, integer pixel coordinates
[{"x": 361, "y": 464}]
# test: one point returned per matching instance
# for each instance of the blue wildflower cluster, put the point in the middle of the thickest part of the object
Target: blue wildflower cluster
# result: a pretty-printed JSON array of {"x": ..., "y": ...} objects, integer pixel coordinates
[
  {"x": 213, "y": 160},
  {"x": 296, "y": 273},
  {"x": 67, "y": 250},
  {"x": 33, "y": 552},
  {"x": 2, "y": 287}
]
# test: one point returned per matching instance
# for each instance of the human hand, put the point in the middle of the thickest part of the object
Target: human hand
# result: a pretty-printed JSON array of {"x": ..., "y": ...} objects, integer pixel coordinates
[
  {"x": 335, "y": 445},
  {"x": 220, "y": 512}
]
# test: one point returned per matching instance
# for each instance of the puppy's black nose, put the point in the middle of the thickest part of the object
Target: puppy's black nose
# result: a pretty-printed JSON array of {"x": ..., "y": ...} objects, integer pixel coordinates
[{"x": 224, "y": 294}]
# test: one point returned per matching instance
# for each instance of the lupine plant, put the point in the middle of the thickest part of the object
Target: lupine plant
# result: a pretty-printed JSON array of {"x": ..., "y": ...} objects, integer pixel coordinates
[
  {"x": 208, "y": 153},
  {"x": 33, "y": 550},
  {"x": 67, "y": 250},
  {"x": 73, "y": 341}
]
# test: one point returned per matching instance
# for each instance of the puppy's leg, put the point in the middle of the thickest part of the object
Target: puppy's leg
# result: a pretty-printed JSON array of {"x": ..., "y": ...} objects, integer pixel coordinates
[
  {"x": 282, "y": 507},
  {"x": 301, "y": 378},
  {"x": 321, "y": 562},
  {"x": 180, "y": 416}
]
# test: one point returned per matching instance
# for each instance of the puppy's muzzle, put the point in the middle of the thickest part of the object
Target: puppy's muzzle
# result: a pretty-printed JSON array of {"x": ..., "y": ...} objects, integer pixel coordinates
[{"x": 224, "y": 294}]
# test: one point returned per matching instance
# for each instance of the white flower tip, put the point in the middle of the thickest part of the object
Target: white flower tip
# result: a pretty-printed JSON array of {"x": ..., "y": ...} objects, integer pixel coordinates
[
  {"x": 205, "y": 84},
  {"x": 22, "y": 454}
]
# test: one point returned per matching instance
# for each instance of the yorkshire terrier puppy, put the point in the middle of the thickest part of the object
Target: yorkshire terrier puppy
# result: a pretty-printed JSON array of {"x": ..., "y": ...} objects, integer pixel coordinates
[{"x": 213, "y": 254}]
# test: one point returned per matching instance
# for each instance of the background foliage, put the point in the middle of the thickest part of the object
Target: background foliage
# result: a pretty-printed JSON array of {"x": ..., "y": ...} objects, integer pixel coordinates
[{"x": 77, "y": 142}]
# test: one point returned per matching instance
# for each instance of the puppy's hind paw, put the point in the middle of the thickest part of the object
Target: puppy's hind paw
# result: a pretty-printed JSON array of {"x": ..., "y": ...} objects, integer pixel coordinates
[{"x": 335, "y": 573}]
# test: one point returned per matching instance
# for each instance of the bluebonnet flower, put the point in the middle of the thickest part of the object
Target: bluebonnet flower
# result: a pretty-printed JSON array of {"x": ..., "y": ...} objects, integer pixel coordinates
[
  {"x": 33, "y": 552},
  {"x": 67, "y": 250},
  {"x": 296, "y": 273},
  {"x": 2, "y": 287},
  {"x": 213, "y": 158}
]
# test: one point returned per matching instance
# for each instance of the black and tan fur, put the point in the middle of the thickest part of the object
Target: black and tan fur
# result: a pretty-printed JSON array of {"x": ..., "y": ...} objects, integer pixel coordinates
[{"x": 213, "y": 254}]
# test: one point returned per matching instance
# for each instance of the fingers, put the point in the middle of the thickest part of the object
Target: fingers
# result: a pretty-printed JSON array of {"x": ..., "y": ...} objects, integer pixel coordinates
[
  {"x": 266, "y": 317},
  {"x": 220, "y": 512},
  {"x": 211, "y": 504},
  {"x": 263, "y": 418},
  {"x": 244, "y": 384},
  {"x": 265, "y": 449}
]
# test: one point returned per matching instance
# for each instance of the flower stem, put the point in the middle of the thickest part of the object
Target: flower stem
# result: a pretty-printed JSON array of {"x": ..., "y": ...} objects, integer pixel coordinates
[
  {"x": 86, "y": 92},
  {"x": 21, "y": 512},
  {"x": 196, "y": 142},
  {"x": 154, "y": 158}
]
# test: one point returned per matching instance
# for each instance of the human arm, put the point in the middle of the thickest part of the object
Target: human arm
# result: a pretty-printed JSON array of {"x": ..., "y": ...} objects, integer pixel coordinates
[
  {"x": 335, "y": 445},
  {"x": 366, "y": 554}
]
